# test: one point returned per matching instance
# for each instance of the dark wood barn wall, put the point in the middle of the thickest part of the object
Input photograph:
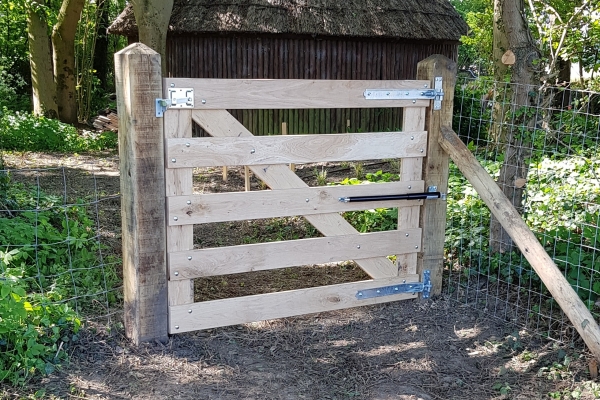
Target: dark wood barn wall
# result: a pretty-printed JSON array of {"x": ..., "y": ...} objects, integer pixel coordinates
[{"x": 252, "y": 57}]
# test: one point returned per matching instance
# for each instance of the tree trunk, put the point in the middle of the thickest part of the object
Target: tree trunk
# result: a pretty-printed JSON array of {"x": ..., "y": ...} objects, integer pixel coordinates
[
  {"x": 513, "y": 173},
  {"x": 152, "y": 18},
  {"x": 63, "y": 44},
  {"x": 40, "y": 59},
  {"x": 101, "y": 49}
]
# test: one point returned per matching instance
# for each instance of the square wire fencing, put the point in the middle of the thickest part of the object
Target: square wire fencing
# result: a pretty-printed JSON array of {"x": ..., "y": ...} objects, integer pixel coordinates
[
  {"x": 59, "y": 236},
  {"x": 551, "y": 173}
]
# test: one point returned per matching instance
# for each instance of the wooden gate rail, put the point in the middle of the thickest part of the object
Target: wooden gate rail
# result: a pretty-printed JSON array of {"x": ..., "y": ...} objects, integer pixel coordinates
[{"x": 157, "y": 162}]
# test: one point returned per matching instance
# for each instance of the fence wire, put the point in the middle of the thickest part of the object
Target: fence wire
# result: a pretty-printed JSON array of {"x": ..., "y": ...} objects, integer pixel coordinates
[
  {"x": 59, "y": 236},
  {"x": 559, "y": 190}
]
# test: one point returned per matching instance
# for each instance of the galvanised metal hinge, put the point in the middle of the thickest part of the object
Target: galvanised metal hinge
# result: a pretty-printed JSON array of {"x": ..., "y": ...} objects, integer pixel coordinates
[
  {"x": 414, "y": 287},
  {"x": 436, "y": 94},
  {"x": 178, "y": 98}
]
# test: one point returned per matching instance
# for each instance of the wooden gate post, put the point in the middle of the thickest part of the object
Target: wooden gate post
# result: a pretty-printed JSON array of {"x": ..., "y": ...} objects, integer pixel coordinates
[
  {"x": 141, "y": 155},
  {"x": 435, "y": 169}
]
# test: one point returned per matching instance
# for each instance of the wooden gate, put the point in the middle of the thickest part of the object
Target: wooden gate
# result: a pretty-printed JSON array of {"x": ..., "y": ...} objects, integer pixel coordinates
[{"x": 205, "y": 102}]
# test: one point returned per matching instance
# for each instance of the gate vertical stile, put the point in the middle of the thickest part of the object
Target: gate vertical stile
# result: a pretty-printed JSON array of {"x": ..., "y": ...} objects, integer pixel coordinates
[{"x": 178, "y": 124}]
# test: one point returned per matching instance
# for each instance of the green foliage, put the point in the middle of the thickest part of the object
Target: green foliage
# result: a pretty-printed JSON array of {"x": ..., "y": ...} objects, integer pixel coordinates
[
  {"x": 476, "y": 45},
  {"x": 26, "y": 132},
  {"x": 472, "y": 109},
  {"x": 378, "y": 219},
  {"x": 50, "y": 259}
]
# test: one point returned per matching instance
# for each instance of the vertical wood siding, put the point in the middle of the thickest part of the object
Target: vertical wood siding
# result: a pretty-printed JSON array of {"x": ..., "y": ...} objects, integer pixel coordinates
[{"x": 278, "y": 57}]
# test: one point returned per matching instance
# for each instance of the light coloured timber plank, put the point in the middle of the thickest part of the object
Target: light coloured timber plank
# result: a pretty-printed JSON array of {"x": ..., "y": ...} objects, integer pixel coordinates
[
  {"x": 217, "y": 151},
  {"x": 235, "y": 206},
  {"x": 220, "y": 123},
  {"x": 214, "y": 94},
  {"x": 410, "y": 168},
  {"x": 246, "y": 178},
  {"x": 178, "y": 123},
  {"x": 291, "y": 253},
  {"x": 216, "y": 313}
]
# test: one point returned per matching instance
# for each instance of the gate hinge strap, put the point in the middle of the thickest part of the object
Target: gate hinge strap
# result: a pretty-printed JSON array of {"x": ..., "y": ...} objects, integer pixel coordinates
[
  {"x": 178, "y": 98},
  {"x": 436, "y": 94},
  {"x": 413, "y": 287}
]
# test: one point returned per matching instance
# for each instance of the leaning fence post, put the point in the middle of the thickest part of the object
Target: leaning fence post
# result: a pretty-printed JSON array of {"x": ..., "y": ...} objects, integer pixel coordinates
[
  {"x": 435, "y": 168},
  {"x": 138, "y": 84}
]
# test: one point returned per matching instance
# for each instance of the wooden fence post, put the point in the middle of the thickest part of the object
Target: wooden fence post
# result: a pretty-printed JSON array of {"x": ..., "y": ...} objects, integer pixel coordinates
[
  {"x": 138, "y": 84},
  {"x": 435, "y": 169}
]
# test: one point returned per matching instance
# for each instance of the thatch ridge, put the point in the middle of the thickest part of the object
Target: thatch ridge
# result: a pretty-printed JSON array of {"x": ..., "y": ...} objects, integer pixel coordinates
[{"x": 400, "y": 19}]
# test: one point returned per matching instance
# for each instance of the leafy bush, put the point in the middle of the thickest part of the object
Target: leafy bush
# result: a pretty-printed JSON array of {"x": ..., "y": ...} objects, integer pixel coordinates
[
  {"x": 49, "y": 260},
  {"x": 26, "y": 132}
]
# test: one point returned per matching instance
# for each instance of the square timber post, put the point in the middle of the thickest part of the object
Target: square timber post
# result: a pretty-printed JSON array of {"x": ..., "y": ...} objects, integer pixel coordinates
[
  {"x": 141, "y": 155},
  {"x": 435, "y": 168}
]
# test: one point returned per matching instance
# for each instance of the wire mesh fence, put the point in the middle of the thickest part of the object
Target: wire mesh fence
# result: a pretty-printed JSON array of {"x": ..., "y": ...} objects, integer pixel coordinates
[
  {"x": 554, "y": 163},
  {"x": 59, "y": 233}
]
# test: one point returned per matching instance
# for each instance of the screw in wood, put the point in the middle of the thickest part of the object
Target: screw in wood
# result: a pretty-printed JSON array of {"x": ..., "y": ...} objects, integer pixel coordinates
[
  {"x": 358, "y": 246},
  {"x": 175, "y": 219},
  {"x": 422, "y": 150},
  {"x": 172, "y": 85},
  {"x": 190, "y": 258},
  {"x": 416, "y": 247},
  {"x": 412, "y": 138},
  {"x": 187, "y": 145},
  {"x": 189, "y": 202},
  {"x": 252, "y": 151},
  {"x": 176, "y": 326},
  {"x": 203, "y": 101},
  {"x": 410, "y": 187},
  {"x": 407, "y": 235},
  {"x": 307, "y": 200},
  {"x": 173, "y": 160},
  {"x": 189, "y": 311},
  {"x": 176, "y": 273}
]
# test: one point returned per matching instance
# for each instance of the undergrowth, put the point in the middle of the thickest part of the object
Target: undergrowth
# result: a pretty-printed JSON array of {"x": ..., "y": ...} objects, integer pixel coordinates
[
  {"x": 51, "y": 270},
  {"x": 22, "y": 131}
]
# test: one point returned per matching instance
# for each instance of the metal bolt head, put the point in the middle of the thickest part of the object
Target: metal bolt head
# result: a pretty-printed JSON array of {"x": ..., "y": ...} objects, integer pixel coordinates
[
  {"x": 252, "y": 151},
  {"x": 175, "y": 219},
  {"x": 358, "y": 246},
  {"x": 414, "y": 101},
  {"x": 416, "y": 247},
  {"x": 203, "y": 101},
  {"x": 189, "y": 202},
  {"x": 360, "y": 293},
  {"x": 190, "y": 258},
  {"x": 173, "y": 160},
  {"x": 189, "y": 311},
  {"x": 172, "y": 85},
  {"x": 187, "y": 145},
  {"x": 176, "y": 273},
  {"x": 422, "y": 151},
  {"x": 407, "y": 93},
  {"x": 410, "y": 187},
  {"x": 425, "y": 85},
  {"x": 407, "y": 235},
  {"x": 412, "y": 138},
  {"x": 176, "y": 326},
  {"x": 307, "y": 200},
  {"x": 378, "y": 291}
]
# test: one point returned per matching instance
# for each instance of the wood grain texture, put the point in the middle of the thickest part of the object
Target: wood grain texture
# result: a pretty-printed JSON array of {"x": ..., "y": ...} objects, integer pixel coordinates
[
  {"x": 435, "y": 169},
  {"x": 518, "y": 230},
  {"x": 220, "y": 123},
  {"x": 410, "y": 169},
  {"x": 258, "y": 150},
  {"x": 216, "y": 94},
  {"x": 235, "y": 206},
  {"x": 272, "y": 255},
  {"x": 138, "y": 83},
  {"x": 178, "y": 123},
  {"x": 215, "y": 313}
]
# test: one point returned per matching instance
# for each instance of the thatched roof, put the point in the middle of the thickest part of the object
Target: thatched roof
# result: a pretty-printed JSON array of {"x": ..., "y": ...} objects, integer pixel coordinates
[{"x": 406, "y": 19}]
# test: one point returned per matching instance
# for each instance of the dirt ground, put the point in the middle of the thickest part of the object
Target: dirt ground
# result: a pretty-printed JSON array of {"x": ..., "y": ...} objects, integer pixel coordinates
[{"x": 417, "y": 350}]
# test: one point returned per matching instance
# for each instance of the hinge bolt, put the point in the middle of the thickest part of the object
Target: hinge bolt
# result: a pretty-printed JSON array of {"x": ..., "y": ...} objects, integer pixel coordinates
[{"x": 360, "y": 293}]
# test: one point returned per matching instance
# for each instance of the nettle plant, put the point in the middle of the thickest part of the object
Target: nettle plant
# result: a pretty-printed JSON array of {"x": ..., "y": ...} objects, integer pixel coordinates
[{"x": 51, "y": 261}]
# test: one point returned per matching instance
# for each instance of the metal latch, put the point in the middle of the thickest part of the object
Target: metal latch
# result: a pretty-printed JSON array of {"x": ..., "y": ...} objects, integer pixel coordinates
[
  {"x": 436, "y": 94},
  {"x": 431, "y": 193},
  {"x": 178, "y": 98},
  {"x": 415, "y": 287}
]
